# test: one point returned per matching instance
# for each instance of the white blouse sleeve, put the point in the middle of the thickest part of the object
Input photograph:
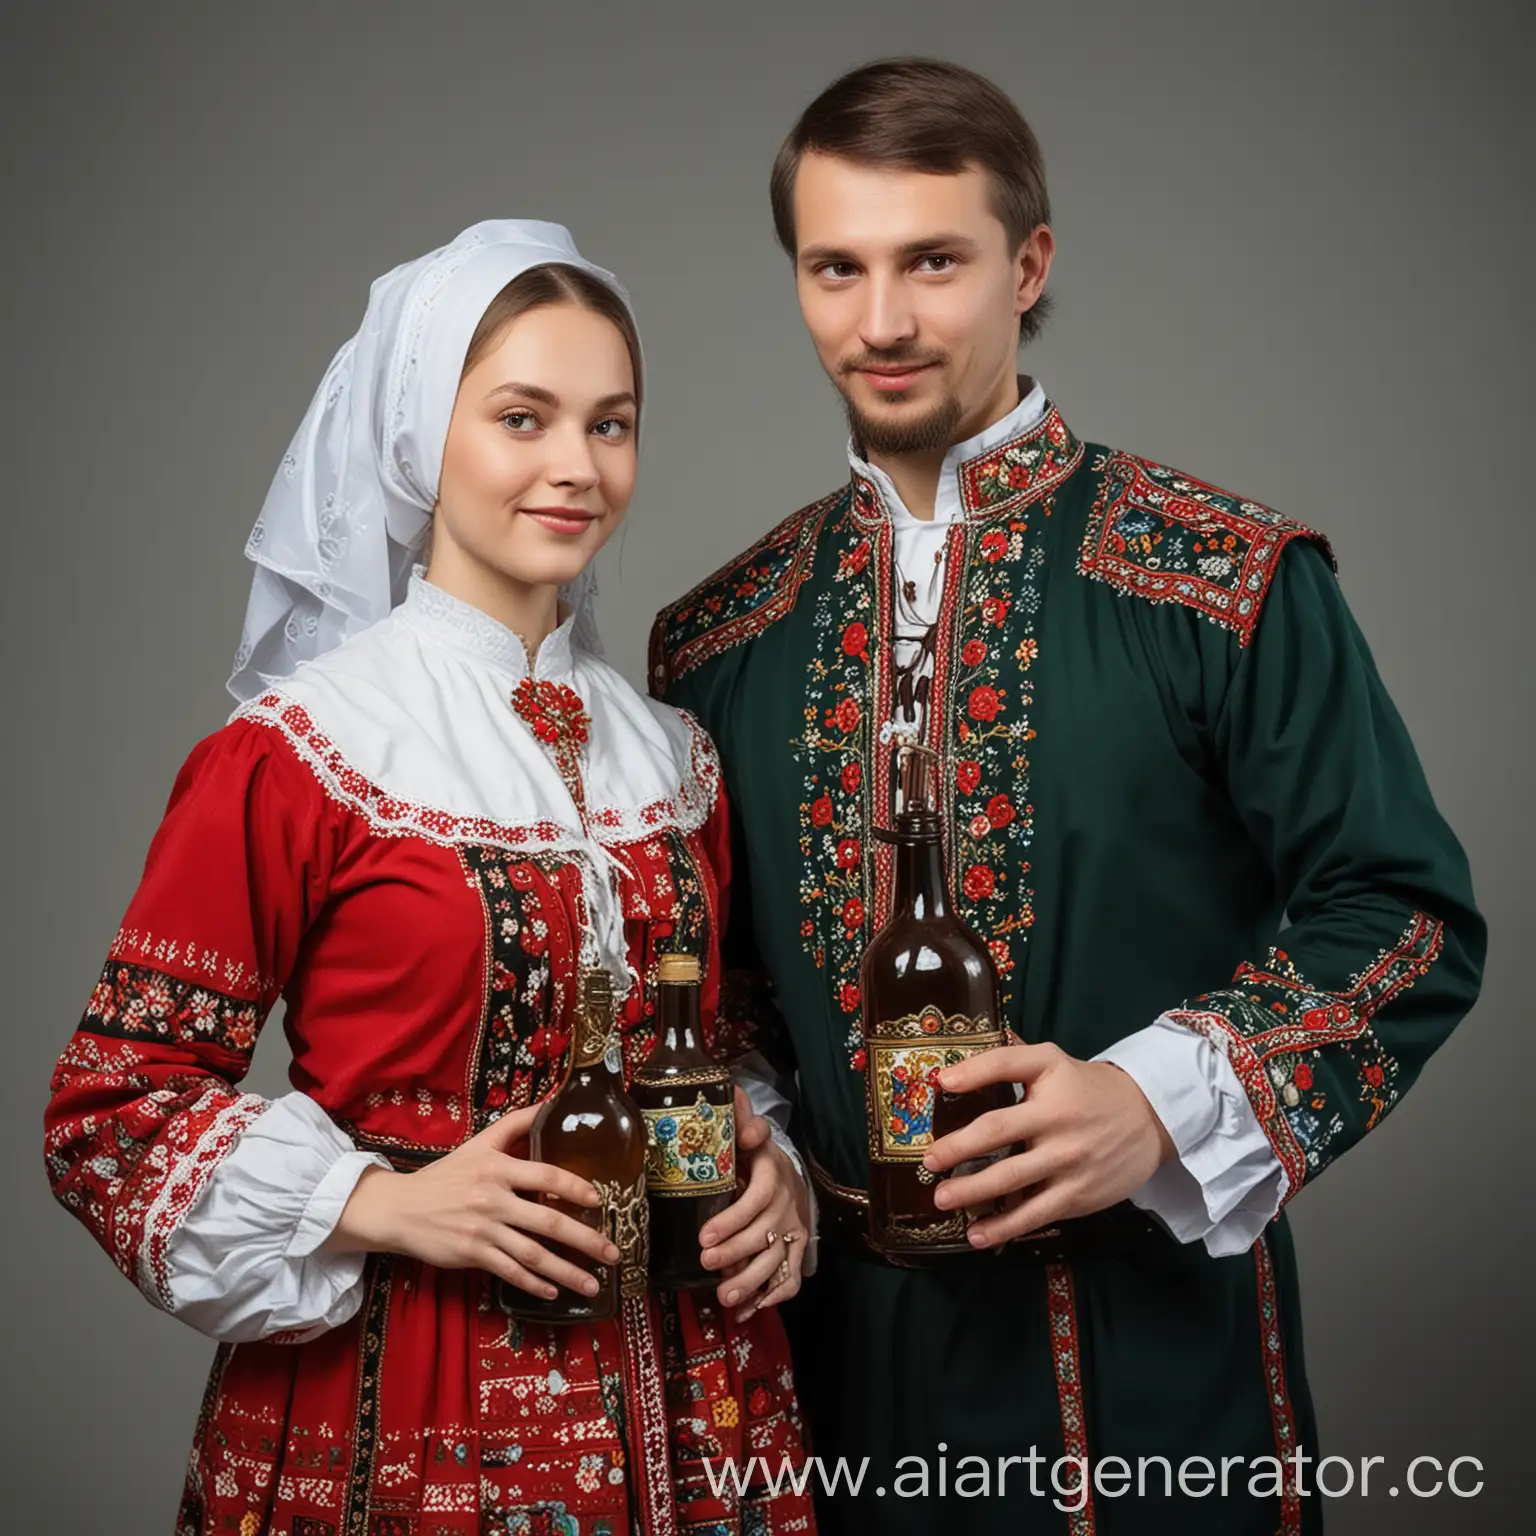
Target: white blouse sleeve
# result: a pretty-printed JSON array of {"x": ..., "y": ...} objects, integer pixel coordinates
[
  {"x": 1225, "y": 1184},
  {"x": 245, "y": 1262}
]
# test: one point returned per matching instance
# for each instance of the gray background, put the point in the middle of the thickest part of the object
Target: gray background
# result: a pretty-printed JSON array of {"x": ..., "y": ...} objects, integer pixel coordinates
[{"x": 1293, "y": 260}]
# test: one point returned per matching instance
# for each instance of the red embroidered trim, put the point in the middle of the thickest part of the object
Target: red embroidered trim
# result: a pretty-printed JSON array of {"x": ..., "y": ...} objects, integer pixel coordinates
[
  {"x": 984, "y": 702},
  {"x": 365, "y": 1413},
  {"x": 1277, "y": 1391},
  {"x": 881, "y": 752},
  {"x": 645, "y": 1400},
  {"x": 191, "y": 1148},
  {"x": 390, "y": 816},
  {"x": 1164, "y": 536},
  {"x": 1067, "y": 1358},
  {"x": 1022, "y": 470},
  {"x": 692, "y": 805},
  {"x": 729, "y": 606},
  {"x": 385, "y": 813},
  {"x": 847, "y": 692},
  {"x": 1336, "y": 1018},
  {"x": 1348, "y": 1013},
  {"x": 190, "y": 962}
]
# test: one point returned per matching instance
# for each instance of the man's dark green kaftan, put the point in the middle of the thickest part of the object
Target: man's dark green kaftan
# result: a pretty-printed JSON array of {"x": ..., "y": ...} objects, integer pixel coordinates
[{"x": 1163, "y": 737}]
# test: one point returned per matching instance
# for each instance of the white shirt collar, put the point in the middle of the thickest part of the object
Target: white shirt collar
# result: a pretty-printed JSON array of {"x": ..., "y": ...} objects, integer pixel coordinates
[
  {"x": 947, "y": 504},
  {"x": 448, "y": 621}
]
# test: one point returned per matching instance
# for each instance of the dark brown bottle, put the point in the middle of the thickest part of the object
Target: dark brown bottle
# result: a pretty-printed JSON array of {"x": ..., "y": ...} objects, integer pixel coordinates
[
  {"x": 690, "y": 1117},
  {"x": 592, "y": 1128},
  {"x": 930, "y": 999}
]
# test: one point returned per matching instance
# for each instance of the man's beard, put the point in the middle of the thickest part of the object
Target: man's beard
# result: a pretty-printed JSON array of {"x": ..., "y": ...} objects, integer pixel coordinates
[{"x": 931, "y": 432}]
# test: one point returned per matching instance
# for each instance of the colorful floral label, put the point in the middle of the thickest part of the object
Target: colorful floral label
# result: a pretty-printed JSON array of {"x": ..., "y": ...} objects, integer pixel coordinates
[
  {"x": 905, "y": 1058},
  {"x": 691, "y": 1150}
]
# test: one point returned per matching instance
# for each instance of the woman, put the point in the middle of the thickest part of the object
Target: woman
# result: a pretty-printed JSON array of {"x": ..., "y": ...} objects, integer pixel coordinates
[{"x": 435, "y": 804}]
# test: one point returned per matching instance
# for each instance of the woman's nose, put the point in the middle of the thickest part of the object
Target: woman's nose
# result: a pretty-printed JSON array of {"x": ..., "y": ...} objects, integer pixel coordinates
[{"x": 571, "y": 462}]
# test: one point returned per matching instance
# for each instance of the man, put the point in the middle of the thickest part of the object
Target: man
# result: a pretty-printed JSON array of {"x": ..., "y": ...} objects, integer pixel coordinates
[{"x": 1163, "y": 739}]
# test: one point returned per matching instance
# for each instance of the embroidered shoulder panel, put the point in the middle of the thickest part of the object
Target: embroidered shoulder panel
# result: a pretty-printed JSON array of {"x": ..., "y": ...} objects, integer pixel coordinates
[
  {"x": 1160, "y": 535},
  {"x": 741, "y": 599}
]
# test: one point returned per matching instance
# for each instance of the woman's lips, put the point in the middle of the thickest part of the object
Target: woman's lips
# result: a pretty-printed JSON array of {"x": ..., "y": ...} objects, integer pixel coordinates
[{"x": 566, "y": 520}]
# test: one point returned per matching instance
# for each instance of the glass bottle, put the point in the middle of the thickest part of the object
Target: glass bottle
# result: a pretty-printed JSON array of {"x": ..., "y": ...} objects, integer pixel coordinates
[
  {"x": 930, "y": 999},
  {"x": 592, "y": 1128},
  {"x": 690, "y": 1117}
]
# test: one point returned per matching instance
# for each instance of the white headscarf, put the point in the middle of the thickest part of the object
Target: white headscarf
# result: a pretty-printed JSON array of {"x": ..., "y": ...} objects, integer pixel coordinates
[{"x": 352, "y": 500}]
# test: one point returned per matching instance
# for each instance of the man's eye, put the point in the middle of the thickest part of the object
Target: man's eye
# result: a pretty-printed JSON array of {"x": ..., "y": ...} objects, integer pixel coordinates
[
  {"x": 837, "y": 270},
  {"x": 937, "y": 263}
]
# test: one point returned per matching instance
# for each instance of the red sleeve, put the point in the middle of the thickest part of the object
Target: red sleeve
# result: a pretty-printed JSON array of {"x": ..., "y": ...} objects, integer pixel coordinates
[{"x": 144, "y": 1102}]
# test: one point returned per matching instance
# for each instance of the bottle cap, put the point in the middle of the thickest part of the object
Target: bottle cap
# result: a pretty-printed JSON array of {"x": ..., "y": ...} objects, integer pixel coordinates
[
  {"x": 916, "y": 767},
  {"x": 679, "y": 969},
  {"x": 593, "y": 1021}
]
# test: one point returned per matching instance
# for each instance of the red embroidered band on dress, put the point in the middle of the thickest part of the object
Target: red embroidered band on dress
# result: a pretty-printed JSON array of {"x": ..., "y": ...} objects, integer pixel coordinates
[
  {"x": 1279, "y": 1395},
  {"x": 559, "y": 720},
  {"x": 1067, "y": 1358}
]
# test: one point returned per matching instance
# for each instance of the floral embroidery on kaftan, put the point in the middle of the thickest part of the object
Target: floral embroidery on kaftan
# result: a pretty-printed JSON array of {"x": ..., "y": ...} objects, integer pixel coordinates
[{"x": 741, "y": 599}]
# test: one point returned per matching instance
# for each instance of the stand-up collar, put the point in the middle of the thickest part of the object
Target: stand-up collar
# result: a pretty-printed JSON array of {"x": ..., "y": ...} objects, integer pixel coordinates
[{"x": 1020, "y": 457}]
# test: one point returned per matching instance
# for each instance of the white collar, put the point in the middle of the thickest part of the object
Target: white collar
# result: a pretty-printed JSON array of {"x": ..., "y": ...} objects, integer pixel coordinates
[
  {"x": 948, "y": 506},
  {"x": 449, "y": 621},
  {"x": 411, "y": 725}
]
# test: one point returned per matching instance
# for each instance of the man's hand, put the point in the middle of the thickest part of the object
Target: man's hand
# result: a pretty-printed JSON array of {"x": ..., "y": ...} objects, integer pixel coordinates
[
  {"x": 746, "y": 1242},
  {"x": 1091, "y": 1139}
]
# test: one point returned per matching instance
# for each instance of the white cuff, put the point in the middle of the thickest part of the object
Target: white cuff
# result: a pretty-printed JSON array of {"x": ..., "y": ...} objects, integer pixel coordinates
[
  {"x": 764, "y": 1089},
  {"x": 1226, "y": 1184},
  {"x": 245, "y": 1262}
]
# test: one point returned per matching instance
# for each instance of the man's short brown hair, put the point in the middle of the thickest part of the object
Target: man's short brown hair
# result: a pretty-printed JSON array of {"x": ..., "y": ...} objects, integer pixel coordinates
[{"x": 923, "y": 115}]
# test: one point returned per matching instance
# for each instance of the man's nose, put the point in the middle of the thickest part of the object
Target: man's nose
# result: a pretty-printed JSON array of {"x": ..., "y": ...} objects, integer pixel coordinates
[{"x": 888, "y": 320}]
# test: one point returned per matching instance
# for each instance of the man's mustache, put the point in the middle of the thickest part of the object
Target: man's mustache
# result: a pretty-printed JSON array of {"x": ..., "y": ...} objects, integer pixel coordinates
[{"x": 895, "y": 357}]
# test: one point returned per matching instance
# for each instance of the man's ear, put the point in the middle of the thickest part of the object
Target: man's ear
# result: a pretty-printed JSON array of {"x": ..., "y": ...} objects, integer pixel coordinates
[{"x": 1033, "y": 265}]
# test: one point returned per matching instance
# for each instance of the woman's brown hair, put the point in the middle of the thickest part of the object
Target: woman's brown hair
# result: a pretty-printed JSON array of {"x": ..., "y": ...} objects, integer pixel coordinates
[{"x": 555, "y": 283}]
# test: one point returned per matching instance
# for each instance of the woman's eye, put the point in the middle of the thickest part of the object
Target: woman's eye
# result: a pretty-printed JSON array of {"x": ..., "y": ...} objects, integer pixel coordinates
[
  {"x": 614, "y": 428},
  {"x": 519, "y": 421}
]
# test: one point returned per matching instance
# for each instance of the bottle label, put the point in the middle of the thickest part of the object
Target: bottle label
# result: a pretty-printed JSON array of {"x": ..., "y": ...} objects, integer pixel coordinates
[
  {"x": 906, "y": 1056},
  {"x": 627, "y": 1225},
  {"x": 690, "y": 1150}
]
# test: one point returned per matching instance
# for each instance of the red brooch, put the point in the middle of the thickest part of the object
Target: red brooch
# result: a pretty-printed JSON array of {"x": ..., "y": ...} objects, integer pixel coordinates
[
  {"x": 557, "y": 717},
  {"x": 553, "y": 711}
]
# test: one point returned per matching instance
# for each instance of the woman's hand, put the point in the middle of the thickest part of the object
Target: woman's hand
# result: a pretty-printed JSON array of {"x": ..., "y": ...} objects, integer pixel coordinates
[
  {"x": 475, "y": 1209},
  {"x": 758, "y": 1242}
]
